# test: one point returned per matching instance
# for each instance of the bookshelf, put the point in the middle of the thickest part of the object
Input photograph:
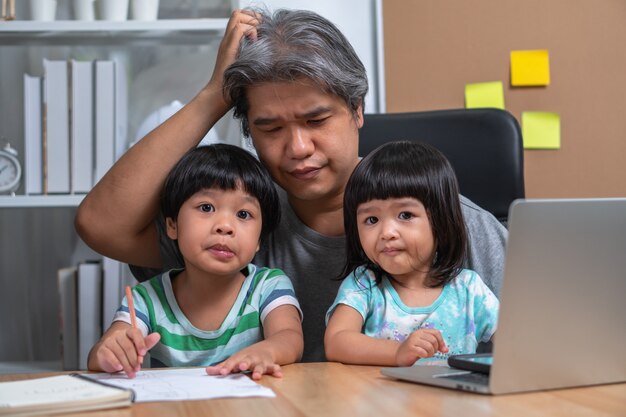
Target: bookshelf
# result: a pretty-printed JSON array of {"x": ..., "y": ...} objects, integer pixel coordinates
[
  {"x": 165, "y": 59},
  {"x": 28, "y": 40}
]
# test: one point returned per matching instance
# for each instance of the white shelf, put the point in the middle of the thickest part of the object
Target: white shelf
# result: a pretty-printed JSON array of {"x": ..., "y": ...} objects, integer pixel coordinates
[
  {"x": 36, "y": 201},
  {"x": 21, "y": 32},
  {"x": 24, "y": 27}
]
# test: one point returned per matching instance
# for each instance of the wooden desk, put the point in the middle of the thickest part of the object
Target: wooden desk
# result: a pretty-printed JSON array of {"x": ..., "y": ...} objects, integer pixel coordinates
[{"x": 332, "y": 389}]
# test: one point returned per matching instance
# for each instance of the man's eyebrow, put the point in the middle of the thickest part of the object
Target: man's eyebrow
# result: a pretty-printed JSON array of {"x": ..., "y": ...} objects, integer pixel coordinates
[
  {"x": 315, "y": 112},
  {"x": 264, "y": 121}
]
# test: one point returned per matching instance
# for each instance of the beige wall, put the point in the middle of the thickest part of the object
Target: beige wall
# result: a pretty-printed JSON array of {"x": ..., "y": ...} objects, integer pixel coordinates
[{"x": 434, "y": 47}]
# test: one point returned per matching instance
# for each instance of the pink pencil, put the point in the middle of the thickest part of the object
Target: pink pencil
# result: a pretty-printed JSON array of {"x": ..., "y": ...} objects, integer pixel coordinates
[
  {"x": 133, "y": 317},
  {"x": 131, "y": 307}
]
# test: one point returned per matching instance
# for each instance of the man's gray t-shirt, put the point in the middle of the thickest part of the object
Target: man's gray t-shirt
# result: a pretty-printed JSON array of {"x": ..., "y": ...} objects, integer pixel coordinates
[{"x": 314, "y": 261}]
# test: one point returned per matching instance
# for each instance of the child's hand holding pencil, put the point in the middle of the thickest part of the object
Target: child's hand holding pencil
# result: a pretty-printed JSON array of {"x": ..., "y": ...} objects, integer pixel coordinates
[
  {"x": 122, "y": 347},
  {"x": 133, "y": 322}
]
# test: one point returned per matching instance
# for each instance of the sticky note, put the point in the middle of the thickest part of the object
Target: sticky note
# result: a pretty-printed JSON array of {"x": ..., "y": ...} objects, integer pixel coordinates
[
  {"x": 480, "y": 95},
  {"x": 530, "y": 68},
  {"x": 541, "y": 130}
]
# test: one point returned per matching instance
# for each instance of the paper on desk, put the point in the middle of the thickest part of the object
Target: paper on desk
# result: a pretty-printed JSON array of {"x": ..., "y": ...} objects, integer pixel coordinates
[{"x": 184, "y": 384}]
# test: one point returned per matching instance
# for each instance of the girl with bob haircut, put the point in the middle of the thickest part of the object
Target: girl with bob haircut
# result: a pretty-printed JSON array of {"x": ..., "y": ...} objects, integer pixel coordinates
[
  {"x": 405, "y": 294},
  {"x": 220, "y": 311}
]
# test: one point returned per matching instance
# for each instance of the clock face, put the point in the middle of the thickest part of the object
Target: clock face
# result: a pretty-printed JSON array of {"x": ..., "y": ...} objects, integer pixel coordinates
[{"x": 10, "y": 173}]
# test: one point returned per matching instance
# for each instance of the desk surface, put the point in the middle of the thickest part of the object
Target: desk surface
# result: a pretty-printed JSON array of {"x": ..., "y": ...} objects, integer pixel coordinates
[{"x": 332, "y": 389}]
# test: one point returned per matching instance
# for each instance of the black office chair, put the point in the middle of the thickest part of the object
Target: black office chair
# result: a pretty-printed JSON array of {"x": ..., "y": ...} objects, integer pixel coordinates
[{"x": 484, "y": 147}]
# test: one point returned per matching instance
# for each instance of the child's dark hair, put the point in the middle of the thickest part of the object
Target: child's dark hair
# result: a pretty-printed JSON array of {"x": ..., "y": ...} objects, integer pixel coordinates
[
  {"x": 416, "y": 170},
  {"x": 225, "y": 167}
]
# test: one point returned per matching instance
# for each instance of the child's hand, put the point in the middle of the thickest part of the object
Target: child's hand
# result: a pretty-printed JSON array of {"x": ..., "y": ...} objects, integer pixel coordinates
[
  {"x": 422, "y": 343},
  {"x": 255, "y": 359},
  {"x": 123, "y": 348}
]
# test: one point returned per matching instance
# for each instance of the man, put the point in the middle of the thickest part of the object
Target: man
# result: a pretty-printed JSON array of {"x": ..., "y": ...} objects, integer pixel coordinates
[{"x": 298, "y": 87}]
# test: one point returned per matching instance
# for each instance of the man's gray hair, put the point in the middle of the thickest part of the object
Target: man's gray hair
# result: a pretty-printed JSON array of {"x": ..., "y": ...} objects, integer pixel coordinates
[{"x": 293, "y": 45}]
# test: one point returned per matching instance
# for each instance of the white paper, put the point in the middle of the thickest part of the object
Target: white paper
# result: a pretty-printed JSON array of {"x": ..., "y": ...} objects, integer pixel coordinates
[{"x": 184, "y": 384}]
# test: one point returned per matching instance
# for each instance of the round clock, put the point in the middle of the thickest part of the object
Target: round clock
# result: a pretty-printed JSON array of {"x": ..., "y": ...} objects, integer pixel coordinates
[{"x": 10, "y": 170}]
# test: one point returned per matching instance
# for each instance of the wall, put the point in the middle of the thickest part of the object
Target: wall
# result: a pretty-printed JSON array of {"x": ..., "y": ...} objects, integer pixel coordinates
[{"x": 434, "y": 47}]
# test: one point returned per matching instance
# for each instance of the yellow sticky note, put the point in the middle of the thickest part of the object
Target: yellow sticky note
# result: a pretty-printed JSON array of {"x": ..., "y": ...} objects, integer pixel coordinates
[
  {"x": 530, "y": 68},
  {"x": 481, "y": 95},
  {"x": 541, "y": 130}
]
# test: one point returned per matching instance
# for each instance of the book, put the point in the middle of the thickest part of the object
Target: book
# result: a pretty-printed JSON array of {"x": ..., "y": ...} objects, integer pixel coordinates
[
  {"x": 68, "y": 319},
  {"x": 33, "y": 158},
  {"x": 105, "y": 118},
  {"x": 111, "y": 283},
  {"x": 59, "y": 394},
  {"x": 121, "y": 109},
  {"x": 57, "y": 147},
  {"x": 82, "y": 126},
  {"x": 89, "y": 308}
]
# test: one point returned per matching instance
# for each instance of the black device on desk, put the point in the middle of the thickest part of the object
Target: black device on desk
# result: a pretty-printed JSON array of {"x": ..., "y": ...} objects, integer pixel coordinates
[{"x": 476, "y": 362}]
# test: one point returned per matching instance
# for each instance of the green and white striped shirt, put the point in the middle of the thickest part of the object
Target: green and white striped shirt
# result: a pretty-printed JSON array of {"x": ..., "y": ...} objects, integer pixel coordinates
[{"x": 181, "y": 343}]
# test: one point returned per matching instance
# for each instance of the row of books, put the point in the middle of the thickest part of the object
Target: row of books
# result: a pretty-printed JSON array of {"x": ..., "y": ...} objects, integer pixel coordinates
[
  {"x": 90, "y": 294},
  {"x": 75, "y": 124}
]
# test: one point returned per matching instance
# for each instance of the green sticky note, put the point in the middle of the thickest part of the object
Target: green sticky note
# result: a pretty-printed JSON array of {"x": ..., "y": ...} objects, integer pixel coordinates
[
  {"x": 481, "y": 95},
  {"x": 541, "y": 130},
  {"x": 530, "y": 68}
]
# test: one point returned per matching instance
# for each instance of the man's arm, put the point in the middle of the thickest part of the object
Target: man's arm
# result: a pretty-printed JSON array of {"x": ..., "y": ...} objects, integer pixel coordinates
[{"x": 117, "y": 217}]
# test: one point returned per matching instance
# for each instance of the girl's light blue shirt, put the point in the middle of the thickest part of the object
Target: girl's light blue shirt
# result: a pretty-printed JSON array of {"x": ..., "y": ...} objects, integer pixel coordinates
[{"x": 465, "y": 312}]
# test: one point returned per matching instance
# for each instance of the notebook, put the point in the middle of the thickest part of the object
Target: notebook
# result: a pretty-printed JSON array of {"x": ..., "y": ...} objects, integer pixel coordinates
[
  {"x": 561, "y": 320},
  {"x": 59, "y": 394}
]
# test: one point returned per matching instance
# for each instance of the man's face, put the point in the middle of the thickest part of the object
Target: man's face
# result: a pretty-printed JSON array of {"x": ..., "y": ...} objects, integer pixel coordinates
[{"x": 307, "y": 139}]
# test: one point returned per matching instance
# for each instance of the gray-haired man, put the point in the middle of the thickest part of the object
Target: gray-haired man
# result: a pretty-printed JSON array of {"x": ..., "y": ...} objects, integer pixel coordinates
[{"x": 297, "y": 86}]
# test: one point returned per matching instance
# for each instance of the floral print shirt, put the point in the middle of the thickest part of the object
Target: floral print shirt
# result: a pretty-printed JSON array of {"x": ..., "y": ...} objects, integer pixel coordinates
[{"x": 465, "y": 312}]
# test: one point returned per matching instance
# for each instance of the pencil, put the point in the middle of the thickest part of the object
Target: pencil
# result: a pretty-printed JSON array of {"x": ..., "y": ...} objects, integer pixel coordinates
[
  {"x": 131, "y": 307},
  {"x": 133, "y": 317}
]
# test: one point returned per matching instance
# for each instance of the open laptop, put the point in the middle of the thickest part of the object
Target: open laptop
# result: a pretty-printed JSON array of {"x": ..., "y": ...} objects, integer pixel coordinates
[{"x": 562, "y": 305}]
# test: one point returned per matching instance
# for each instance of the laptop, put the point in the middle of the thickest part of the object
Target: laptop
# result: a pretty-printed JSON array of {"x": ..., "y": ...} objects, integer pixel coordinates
[{"x": 562, "y": 304}]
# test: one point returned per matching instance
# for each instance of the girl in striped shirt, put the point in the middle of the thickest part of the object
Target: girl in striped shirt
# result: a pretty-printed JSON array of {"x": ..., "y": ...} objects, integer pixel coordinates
[{"x": 220, "y": 311}]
